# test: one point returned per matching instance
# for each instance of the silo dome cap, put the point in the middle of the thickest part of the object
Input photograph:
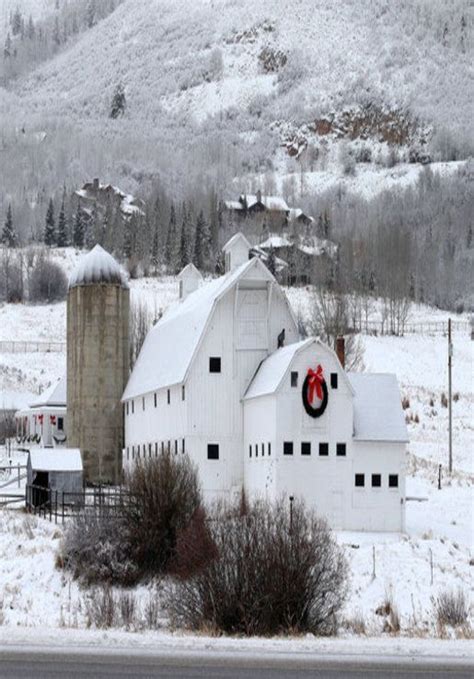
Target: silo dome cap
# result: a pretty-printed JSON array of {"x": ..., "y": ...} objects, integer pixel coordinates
[{"x": 98, "y": 266}]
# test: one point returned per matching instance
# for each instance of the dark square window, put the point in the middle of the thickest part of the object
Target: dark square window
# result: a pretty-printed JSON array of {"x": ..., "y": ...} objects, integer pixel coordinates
[
  {"x": 305, "y": 448},
  {"x": 333, "y": 380},
  {"x": 324, "y": 449},
  {"x": 393, "y": 480},
  {"x": 155, "y": 399},
  {"x": 288, "y": 448},
  {"x": 212, "y": 451},
  {"x": 169, "y": 397},
  {"x": 60, "y": 424},
  {"x": 250, "y": 451},
  {"x": 294, "y": 379},
  {"x": 341, "y": 449},
  {"x": 215, "y": 364},
  {"x": 376, "y": 480},
  {"x": 269, "y": 449},
  {"x": 360, "y": 480}
]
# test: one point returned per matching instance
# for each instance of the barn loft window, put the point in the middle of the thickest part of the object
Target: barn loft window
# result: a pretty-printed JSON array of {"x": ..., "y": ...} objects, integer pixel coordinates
[
  {"x": 155, "y": 398},
  {"x": 60, "y": 423},
  {"x": 324, "y": 449},
  {"x": 215, "y": 364},
  {"x": 333, "y": 380},
  {"x": 305, "y": 447},
  {"x": 341, "y": 449},
  {"x": 169, "y": 396},
  {"x": 212, "y": 451},
  {"x": 376, "y": 480},
  {"x": 360, "y": 480},
  {"x": 393, "y": 480},
  {"x": 294, "y": 379},
  {"x": 183, "y": 392},
  {"x": 288, "y": 448}
]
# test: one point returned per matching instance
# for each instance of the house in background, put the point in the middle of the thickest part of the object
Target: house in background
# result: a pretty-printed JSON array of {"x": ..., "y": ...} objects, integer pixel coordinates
[
  {"x": 94, "y": 196},
  {"x": 269, "y": 213},
  {"x": 307, "y": 258},
  {"x": 43, "y": 422}
]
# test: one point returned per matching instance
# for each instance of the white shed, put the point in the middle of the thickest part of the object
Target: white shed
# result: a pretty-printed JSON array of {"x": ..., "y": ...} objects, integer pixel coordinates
[{"x": 57, "y": 469}]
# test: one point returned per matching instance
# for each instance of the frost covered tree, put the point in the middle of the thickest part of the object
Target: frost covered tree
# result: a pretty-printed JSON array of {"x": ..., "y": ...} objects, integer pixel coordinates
[
  {"x": 62, "y": 241},
  {"x": 7, "y": 49},
  {"x": 119, "y": 102},
  {"x": 202, "y": 250},
  {"x": 8, "y": 234},
  {"x": 171, "y": 238},
  {"x": 50, "y": 225},
  {"x": 187, "y": 239},
  {"x": 78, "y": 232},
  {"x": 17, "y": 22}
]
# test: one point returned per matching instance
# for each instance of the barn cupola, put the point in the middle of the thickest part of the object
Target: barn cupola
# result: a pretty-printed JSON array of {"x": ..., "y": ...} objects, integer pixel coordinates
[
  {"x": 236, "y": 251},
  {"x": 189, "y": 279}
]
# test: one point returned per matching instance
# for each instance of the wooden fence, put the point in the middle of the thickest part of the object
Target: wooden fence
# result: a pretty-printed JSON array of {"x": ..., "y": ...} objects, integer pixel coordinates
[
  {"x": 31, "y": 347},
  {"x": 411, "y": 328},
  {"x": 57, "y": 505}
]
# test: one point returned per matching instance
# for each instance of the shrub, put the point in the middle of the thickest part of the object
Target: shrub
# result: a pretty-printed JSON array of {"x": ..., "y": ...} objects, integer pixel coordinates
[
  {"x": 165, "y": 495},
  {"x": 272, "y": 574},
  {"x": 451, "y": 608},
  {"x": 405, "y": 402},
  {"x": 97, "y": 549},
  {"x": 48, "y": 282},
  {"x": 101, "y": 608},
  {"x": 444, "y": 400}
]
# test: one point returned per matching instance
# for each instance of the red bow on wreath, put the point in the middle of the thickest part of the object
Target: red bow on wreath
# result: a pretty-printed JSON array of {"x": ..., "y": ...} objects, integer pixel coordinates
[
  {"x": 315, "y": 382},
  {"x": 52, "y": 419}
]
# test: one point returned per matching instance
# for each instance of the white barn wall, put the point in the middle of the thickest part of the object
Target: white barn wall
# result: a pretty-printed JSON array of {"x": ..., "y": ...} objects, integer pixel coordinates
[{"x": 259, "y": 429}]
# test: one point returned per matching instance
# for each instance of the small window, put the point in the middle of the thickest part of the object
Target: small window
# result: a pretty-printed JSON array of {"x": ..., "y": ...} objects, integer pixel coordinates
[
  {"x": 376, "y": 480},
  {"x": 169, "y": 447},
  {"x": 156, "y": 449},
  {"x": 155, "y": 397},
  {"x": 333, "y": 380},
  {"x": 183, "y": 446},
  {"x": 143, "y": 403},
  {"x": 256, "y": 450},
  {"x": 127, "y": 407},
  {"x": 183, "y": 392},
  {"x": 269, "y": 449},
  {"x": 294, "y": 379},
  {"x": 138, "y": 452},
  {"x": 263, "y": 449},
  {"x": 133, "y": 407},
  {"x": 162, "y": 447},
  {"x": 149, "y": 450},
  {"x": 341, "y": 449},
  {"x": 288, "y": 448},
  {"x": 212, "y": 451},
  {"x": 176, "y": 447},
  {"x": 60, "y": 423},
  {"x": 250, "y": 451},
  {"x": 393, "y": 480},
  {"x": 360, "y": 480},
  {"x": 215, "y": 364},
  {"x": 128, "y": 453},
  {"x": 305, "y": 448},
  {"x": 144, "y": 450},
  {"x": 169, "y": 396},
  {"x": 324, "y": 449}
]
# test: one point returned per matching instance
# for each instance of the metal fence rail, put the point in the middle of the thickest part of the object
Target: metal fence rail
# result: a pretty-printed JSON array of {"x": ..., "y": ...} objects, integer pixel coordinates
[
  {"x": 57, "y": 505},
  {"x": 31, "y": 347}
]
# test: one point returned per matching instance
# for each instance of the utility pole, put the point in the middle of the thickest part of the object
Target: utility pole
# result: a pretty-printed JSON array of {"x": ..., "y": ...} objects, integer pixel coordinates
[{"x": 450, "y": 396}]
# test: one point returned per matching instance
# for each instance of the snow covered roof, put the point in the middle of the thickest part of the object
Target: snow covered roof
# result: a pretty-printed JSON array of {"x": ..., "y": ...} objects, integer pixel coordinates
[
  {"x": 55, "y": 395},
  {"x": 170, "y": 346},
  {"x": 98, "y": 266},
  {"x": 56, "y": 459},
  {"x": 296, "y": 212},
  {"x": 233, "y": 205},
  {"x": 273, "y": 369},
  {"x": 239, "y": 236},
  {"x": 270, "y": 202},
  {"x": 275, "y": 242},
  {"x": 190, "y": 271},
  {"x": 378, "y": 413}
]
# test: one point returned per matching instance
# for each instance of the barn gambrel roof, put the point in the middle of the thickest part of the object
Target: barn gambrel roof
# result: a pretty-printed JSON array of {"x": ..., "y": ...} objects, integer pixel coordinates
[{"x": 170, "y": 346}]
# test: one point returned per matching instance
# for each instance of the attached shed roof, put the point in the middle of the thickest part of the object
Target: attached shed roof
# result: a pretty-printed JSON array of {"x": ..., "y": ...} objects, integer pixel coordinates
[
  {"x": 171, "y": 344},
  {"x": 378, "y": 413},
  {"x": 56, "y": 459},
  {"x": 55, "y": 395}
]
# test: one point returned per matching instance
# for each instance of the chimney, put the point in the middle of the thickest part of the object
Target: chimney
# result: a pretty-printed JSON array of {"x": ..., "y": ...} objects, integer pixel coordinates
[
  {"x": 259, "y": 196},
  {"x": 95, "y": 184},
  {"x": 341, "y": 350}
]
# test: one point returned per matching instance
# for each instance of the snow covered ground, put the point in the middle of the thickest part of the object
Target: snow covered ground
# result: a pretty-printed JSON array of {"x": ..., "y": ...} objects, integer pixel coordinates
[{"x": 434, "y": 555}]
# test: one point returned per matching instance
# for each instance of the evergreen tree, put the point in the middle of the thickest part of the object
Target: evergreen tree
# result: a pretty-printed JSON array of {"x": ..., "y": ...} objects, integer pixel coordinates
[
  {"x": 78, "y": 233},
  {"x": 271, "y": 261},
  {"x": 7, "y": 50},
  {"x": 90, "y": 13},
  {"x": 118, "y": 102},
  {"x": 171, "y": 237},
  {"x": 62, "y": 226},
  {"x": 155, "y": 248},
  {"x": 8, "y": 233},
  {"x": 463, "y": 34},
  {"x": 187, "y": 240},
  {"x": 202, "y": 250},
  {"x": 17, "y": 22},
  {"x": 56, "y": 33},
  {"x": 50, "y": 230}
]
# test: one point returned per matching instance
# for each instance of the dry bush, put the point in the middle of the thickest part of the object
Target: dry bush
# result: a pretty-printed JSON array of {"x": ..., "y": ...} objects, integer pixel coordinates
[
  {"x": 272, "y": 574},
  {"x": 451, "y": 608},
  {"x": 165, "y": 495},
  {"x": 101, "y": 608},
  {"x": 389, "y": 610},
  {"x": 195, "y": 548},
  {"x": 127, "y": 607},
  {"x": 444, "y": 400},
  {"x": 456, "y": 397},
  {"x": 97, "y": 549},
  {"x": 48, "y": 282},
  {"x": 405, "y": 402},
  {"x": 356, "y": 624},
  {"x": 151, "y": 612}
]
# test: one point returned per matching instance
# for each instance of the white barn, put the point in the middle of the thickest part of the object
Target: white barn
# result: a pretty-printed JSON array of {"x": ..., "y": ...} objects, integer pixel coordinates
[{"x": 214, "y": 380}]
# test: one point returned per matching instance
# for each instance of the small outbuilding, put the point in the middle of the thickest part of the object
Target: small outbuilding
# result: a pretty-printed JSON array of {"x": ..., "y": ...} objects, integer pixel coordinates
[{"x": 57, "y": 469}]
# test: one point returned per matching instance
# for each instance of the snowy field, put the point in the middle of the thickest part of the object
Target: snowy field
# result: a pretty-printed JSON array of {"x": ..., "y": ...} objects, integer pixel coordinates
[{"x": 434, "y": 555}]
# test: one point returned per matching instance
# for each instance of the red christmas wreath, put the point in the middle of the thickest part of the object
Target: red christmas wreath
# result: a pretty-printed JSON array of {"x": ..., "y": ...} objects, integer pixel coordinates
[{"x": 315, "y": 386}]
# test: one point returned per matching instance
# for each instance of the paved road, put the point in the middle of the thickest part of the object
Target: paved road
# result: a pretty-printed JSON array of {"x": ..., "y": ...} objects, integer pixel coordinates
[{"x": 26, "y": 665}]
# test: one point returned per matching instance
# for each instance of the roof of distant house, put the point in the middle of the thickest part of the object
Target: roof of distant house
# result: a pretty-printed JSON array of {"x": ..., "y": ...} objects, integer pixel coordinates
[{"x": 270, "y": 202}]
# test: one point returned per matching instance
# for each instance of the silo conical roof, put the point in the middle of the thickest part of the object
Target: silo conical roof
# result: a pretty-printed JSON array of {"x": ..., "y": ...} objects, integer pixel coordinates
[{"x": 98, "y": 266}]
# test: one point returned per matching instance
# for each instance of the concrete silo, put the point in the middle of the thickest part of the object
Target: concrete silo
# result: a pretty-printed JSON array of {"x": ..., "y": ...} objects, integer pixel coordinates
[{"x": 97, "y": 363}]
